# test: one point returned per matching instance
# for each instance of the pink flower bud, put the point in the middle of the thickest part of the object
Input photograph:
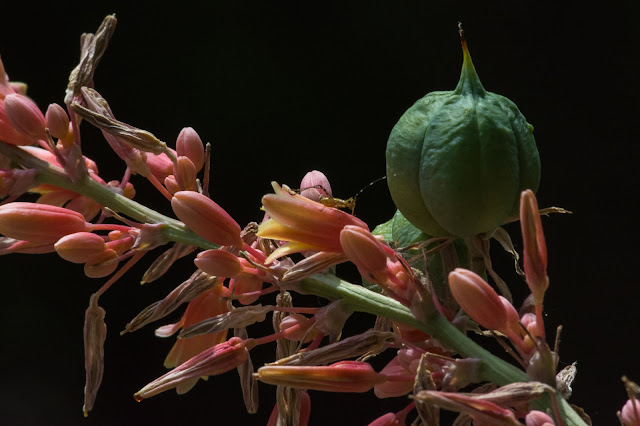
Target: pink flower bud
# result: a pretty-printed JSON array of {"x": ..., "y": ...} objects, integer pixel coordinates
[
  {"x": 8, "y": 133},
  {"x": 297, "y": 327},
  {"x": 538, "y": 418},
  {"x": 25, "y": 116},
  {"x": 363, "y": 249},
  {"x": 160, "y": 165},
  {"x": 39, "y": 223},
  {"x": 315, "y": 186},
  {"x": 171, "y": 184},
  {"x": 206, "y": 218},
  {"x": 535, "y": 248},
  {"x": 81, "y": 247},
  {"x": 344, "y": 376},
  {"x": 190, "y": 145},
  {"x": 185, "y": 174},
  {"x": 218, "y": 263},
  {"x": 57, "y": 121},
  {"x": 631, "y": 413},
  {"x": 478, "y": 299}
]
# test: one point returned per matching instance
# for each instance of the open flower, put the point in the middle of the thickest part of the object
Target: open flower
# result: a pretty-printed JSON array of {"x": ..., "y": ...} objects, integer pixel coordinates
[{"x": 305, "y": 224}]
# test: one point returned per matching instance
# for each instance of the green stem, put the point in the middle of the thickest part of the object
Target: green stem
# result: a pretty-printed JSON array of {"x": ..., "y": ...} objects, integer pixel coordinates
[
  {"x": 172, "y": 229},
  {"x": 360, "y": 299}
]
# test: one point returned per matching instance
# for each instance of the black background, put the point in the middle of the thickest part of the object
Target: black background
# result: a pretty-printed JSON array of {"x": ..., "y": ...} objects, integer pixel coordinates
[{"x": 281, "y": 88}]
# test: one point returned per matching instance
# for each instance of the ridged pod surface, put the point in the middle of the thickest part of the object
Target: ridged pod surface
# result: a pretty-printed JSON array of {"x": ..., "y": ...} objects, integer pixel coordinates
[{"x": 458, "y": 160}]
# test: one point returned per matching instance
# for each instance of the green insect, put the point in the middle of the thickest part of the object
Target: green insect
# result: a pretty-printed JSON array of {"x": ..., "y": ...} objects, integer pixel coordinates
[{"x": 458, "y": 160}]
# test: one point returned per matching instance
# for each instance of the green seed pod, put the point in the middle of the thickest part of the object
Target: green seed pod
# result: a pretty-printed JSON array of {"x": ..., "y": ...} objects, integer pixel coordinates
[{"x": 457, "y": 161}]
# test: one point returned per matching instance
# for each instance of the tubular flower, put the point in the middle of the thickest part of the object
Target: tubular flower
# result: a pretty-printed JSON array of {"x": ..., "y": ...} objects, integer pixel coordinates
[
  {"x": 207, "y": 305},
  {"x": 482, "y": 412},
  {"x": 216, "y": 360},
  {"x": 344, "y": 376},
  {"x": 305, "y": 224}
]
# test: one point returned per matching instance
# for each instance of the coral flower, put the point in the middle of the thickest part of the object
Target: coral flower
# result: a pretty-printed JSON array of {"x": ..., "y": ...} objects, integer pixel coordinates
[
  {"x": 305, "y": 224},
  {"x": 216, "y": 360},
  {"x": 207, "y": 305},
  {"x": 344, "y": 376}
]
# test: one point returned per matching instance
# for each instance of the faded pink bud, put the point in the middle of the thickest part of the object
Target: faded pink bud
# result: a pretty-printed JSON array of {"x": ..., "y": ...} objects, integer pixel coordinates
[
  {"x": 535, "y": 248},
  {"x": 478, "y": 299},
  {"x": 57, "y": 121},
  {"x": 81, "y": 247},
  {"x": 39, "y": 223},
  {"x": 216, "y": 360},
  {"x": 363, "y": 249},
  {"x": 24, "y": 116},
  {"x": 344, "y": 376},
  {"x": 206, "y": 218},
  {"x": 538, "y": 418},
  {"x": 630, "y": 414},
  {"x": 190, "y": 145},
  {"x": 185, "y": 173},
  {"x": 315, "y": 186},
  {"x": 218, "y": 263}
]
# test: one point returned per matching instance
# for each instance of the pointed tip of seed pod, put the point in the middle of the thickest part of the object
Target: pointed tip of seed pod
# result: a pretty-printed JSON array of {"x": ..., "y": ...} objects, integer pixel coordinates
[
  {"x": 469, "y": 81},
  {"x": 461, "y": 32}
]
